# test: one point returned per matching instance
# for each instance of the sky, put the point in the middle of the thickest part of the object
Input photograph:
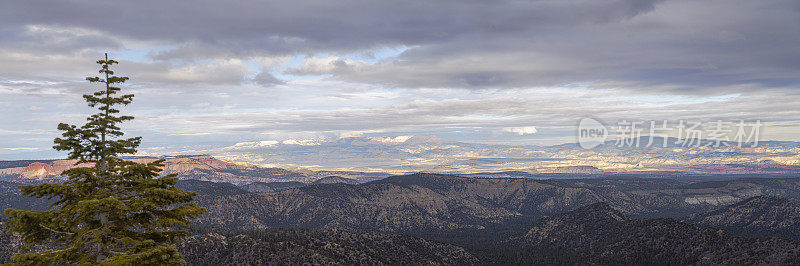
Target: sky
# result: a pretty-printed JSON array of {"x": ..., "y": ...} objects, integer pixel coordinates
[{"x": 210, "y": 74}]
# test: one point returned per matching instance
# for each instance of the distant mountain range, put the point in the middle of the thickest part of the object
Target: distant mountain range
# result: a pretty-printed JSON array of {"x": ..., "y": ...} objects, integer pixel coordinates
[
  {"x": 196, "y": 167},
  {"x": 367, "y": 159},
  {"x": 406, "y": 154}
]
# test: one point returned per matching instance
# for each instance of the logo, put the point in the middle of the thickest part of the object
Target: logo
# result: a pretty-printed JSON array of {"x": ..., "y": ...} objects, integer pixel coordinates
[{"x": 591, "y": 133}]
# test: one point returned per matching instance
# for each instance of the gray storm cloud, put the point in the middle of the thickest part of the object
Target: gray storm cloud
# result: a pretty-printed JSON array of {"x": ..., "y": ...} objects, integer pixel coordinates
[
  {"x": 284, "y": 67},
  {"x": 686, "y": 46}
]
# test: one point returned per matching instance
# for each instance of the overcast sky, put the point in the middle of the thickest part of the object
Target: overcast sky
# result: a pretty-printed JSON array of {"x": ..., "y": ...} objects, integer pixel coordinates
[{"x": 209, "y": 74}]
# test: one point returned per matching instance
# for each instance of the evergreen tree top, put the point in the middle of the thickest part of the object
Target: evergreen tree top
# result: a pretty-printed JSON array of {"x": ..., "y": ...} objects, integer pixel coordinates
[
  {"x": 115, "y": 212},
  {"x": 93, "y": 142}
]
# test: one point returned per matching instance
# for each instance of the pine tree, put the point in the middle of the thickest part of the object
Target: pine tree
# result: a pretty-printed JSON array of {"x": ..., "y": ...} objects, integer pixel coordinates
[{"x": 115, "y": 212}]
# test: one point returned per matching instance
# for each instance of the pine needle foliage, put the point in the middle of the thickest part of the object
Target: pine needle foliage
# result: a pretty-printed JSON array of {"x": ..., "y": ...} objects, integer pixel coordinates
[{"x": 116, "y": 212}]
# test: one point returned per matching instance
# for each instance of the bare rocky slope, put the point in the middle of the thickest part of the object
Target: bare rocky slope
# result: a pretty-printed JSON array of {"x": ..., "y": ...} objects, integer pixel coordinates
[
  {"x": 335, "y": 180},
  {"x": 267, "y": 187}
]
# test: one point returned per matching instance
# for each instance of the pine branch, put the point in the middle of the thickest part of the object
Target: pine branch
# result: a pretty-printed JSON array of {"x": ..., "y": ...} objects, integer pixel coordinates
[{"x": 55, "y": 231}]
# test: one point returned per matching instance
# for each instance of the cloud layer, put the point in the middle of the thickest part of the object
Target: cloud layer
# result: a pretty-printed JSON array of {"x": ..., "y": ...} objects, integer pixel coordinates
[{"x": 212, "y": 73}]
